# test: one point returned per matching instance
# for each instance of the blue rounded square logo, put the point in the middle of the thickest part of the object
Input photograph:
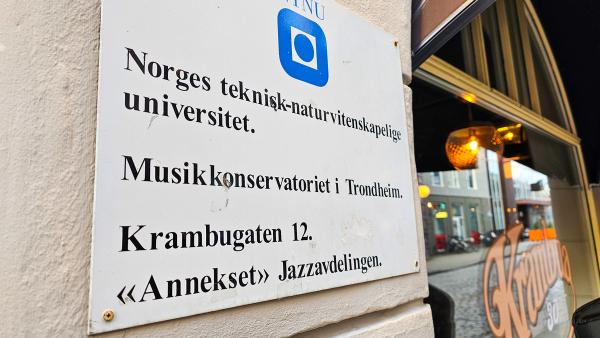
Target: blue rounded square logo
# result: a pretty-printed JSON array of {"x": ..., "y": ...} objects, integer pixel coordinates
[{"x": 302, "y": 48}]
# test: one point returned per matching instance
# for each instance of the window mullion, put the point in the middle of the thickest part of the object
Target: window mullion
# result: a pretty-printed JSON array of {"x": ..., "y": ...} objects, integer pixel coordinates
[
  {"x": 509, "y": 66},
  {"x": 529, "y": 66},
  {"x": 481, "y": 62}
]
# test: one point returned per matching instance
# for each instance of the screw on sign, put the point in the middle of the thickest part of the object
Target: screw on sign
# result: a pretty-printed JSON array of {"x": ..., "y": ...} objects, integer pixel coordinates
[{"x": 108, "y": 315}]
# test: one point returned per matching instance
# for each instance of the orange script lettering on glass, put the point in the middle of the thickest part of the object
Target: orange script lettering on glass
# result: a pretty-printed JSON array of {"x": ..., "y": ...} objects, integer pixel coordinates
[{"x": 521, "y": 289}]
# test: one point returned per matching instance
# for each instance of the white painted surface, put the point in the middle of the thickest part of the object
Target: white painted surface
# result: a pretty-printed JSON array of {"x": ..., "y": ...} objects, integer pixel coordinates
[
  {"x": 143, "y": 284},
  {"x": 409, "y": 320},
  {"x": 47, "y": 133},
  {"x": 393, "y": 16}
]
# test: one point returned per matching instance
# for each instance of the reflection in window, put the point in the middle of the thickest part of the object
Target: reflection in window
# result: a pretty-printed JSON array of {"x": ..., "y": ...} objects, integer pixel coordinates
[
  {"x": 453, "y": 180},
  {"x": 550, "y": 103},
  {"x": 436, "y": 179},
  {"x": 476, "y": 202},
  {"x": 474, "y": 218},
  {"x": 517, "y": 52},
  {"x": 493, "y": 167},
  {"x": 461, "y": 236},
  {"x": 458, "y": 51},
  {"x": 440, "y": 227},
  {"x": 493, "y": 49},
  {"x": 458, "y": 221},
  {"x": 471, "y": 179}
]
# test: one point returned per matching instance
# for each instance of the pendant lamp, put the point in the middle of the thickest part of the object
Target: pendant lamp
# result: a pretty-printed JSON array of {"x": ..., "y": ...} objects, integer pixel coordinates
[{"x": 462, "y": 145}]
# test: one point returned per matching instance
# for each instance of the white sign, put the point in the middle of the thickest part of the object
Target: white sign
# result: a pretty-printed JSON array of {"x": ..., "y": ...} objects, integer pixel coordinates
[{"x": 246, "y": 151}]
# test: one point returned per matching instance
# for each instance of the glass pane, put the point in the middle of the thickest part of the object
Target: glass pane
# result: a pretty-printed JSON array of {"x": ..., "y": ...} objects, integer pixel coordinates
[
  {"x": 517, "y": 52},
  {"x": 547, "y": 92},
  {"x": 453, "y": 181},
  {"x": 463, "y": 262},
  {"x": 513, "y": 231},
  {"x": 458, "y": 51},
  {"x": 474, "y": 218},
  {"x": 493, "y": 49}
]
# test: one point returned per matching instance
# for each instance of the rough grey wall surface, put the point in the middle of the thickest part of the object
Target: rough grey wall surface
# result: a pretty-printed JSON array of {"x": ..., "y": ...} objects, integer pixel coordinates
[
  {"x": 48, "y": 76},
  {"x": 48, "y": 88}
]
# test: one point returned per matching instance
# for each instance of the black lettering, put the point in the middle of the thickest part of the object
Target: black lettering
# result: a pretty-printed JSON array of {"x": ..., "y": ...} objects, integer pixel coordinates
[
  {"x": 141, "y": 65},
  {"x": 136, "y": 171},
  {"x": 153, "y": 290},
  {"x": 126, "y": 238}
]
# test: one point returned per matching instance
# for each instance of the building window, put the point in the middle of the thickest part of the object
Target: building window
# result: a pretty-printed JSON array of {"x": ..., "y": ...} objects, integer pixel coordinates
[
  {"x": 493, "y": 49},
  {"x": 453, "y": 179},
  {"x": 474, "y": 217},
  {"x": 471, "y": 179},
  {"x": 458, "y": 51},
  {"x": 458, "y": 221},
  {"x": 436, "y": 179}
]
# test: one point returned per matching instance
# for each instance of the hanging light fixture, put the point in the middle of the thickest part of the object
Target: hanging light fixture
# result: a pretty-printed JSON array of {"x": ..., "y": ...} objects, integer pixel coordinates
[
  {"x": 462, "y": 146},
  {"x": 424, "y": 191},
  {"x": 512, "y": 134}
]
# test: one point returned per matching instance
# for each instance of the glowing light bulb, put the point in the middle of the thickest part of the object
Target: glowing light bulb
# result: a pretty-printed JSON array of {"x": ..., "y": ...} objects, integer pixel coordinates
[
  {"x": 469, "y": 97},
  {"x": 509, "y": 136},
  {"x": 424, "y": 191},
  {"x": 473, "y": 144},
  {"x": 462, "y": 145}
]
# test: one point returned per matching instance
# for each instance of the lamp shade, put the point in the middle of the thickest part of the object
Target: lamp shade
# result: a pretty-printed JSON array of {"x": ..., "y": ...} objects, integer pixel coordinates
[
  {"x": 424, "y": 191},
  {"x": 462, "y": 146}
]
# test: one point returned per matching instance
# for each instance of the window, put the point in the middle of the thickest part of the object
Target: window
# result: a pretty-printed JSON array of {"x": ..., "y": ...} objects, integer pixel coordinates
[
  {"x": 453, "y": 179},
  {"x": 436, "y": 179},
  {"x": 493, "y": 50},
  {"x": 474, "y": 218},
  {"x": 458, "y": 51},
  {"x": 550, "y": 104},
  {"x": 439, "y": 214},
  {"x": 458, "y": 221},
  {"x": 471, "y": 179},
  {"x": 538, "y": 178},
  {"x": 514, "y": 20},
  {"x": 503, "y": 193}
]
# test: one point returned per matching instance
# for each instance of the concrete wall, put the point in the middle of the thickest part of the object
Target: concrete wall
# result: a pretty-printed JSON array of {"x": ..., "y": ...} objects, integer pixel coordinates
[{"x": 48, "y": 81}]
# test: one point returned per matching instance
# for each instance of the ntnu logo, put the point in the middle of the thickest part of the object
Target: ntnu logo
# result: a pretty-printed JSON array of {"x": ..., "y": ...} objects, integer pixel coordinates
[
  {"x": 311, "y": 7},
  {"x": 302, "y": 48}
]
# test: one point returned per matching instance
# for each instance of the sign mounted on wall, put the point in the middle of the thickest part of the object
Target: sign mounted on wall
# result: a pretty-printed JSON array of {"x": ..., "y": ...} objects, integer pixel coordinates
[{"x": 246, "y": 151}]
